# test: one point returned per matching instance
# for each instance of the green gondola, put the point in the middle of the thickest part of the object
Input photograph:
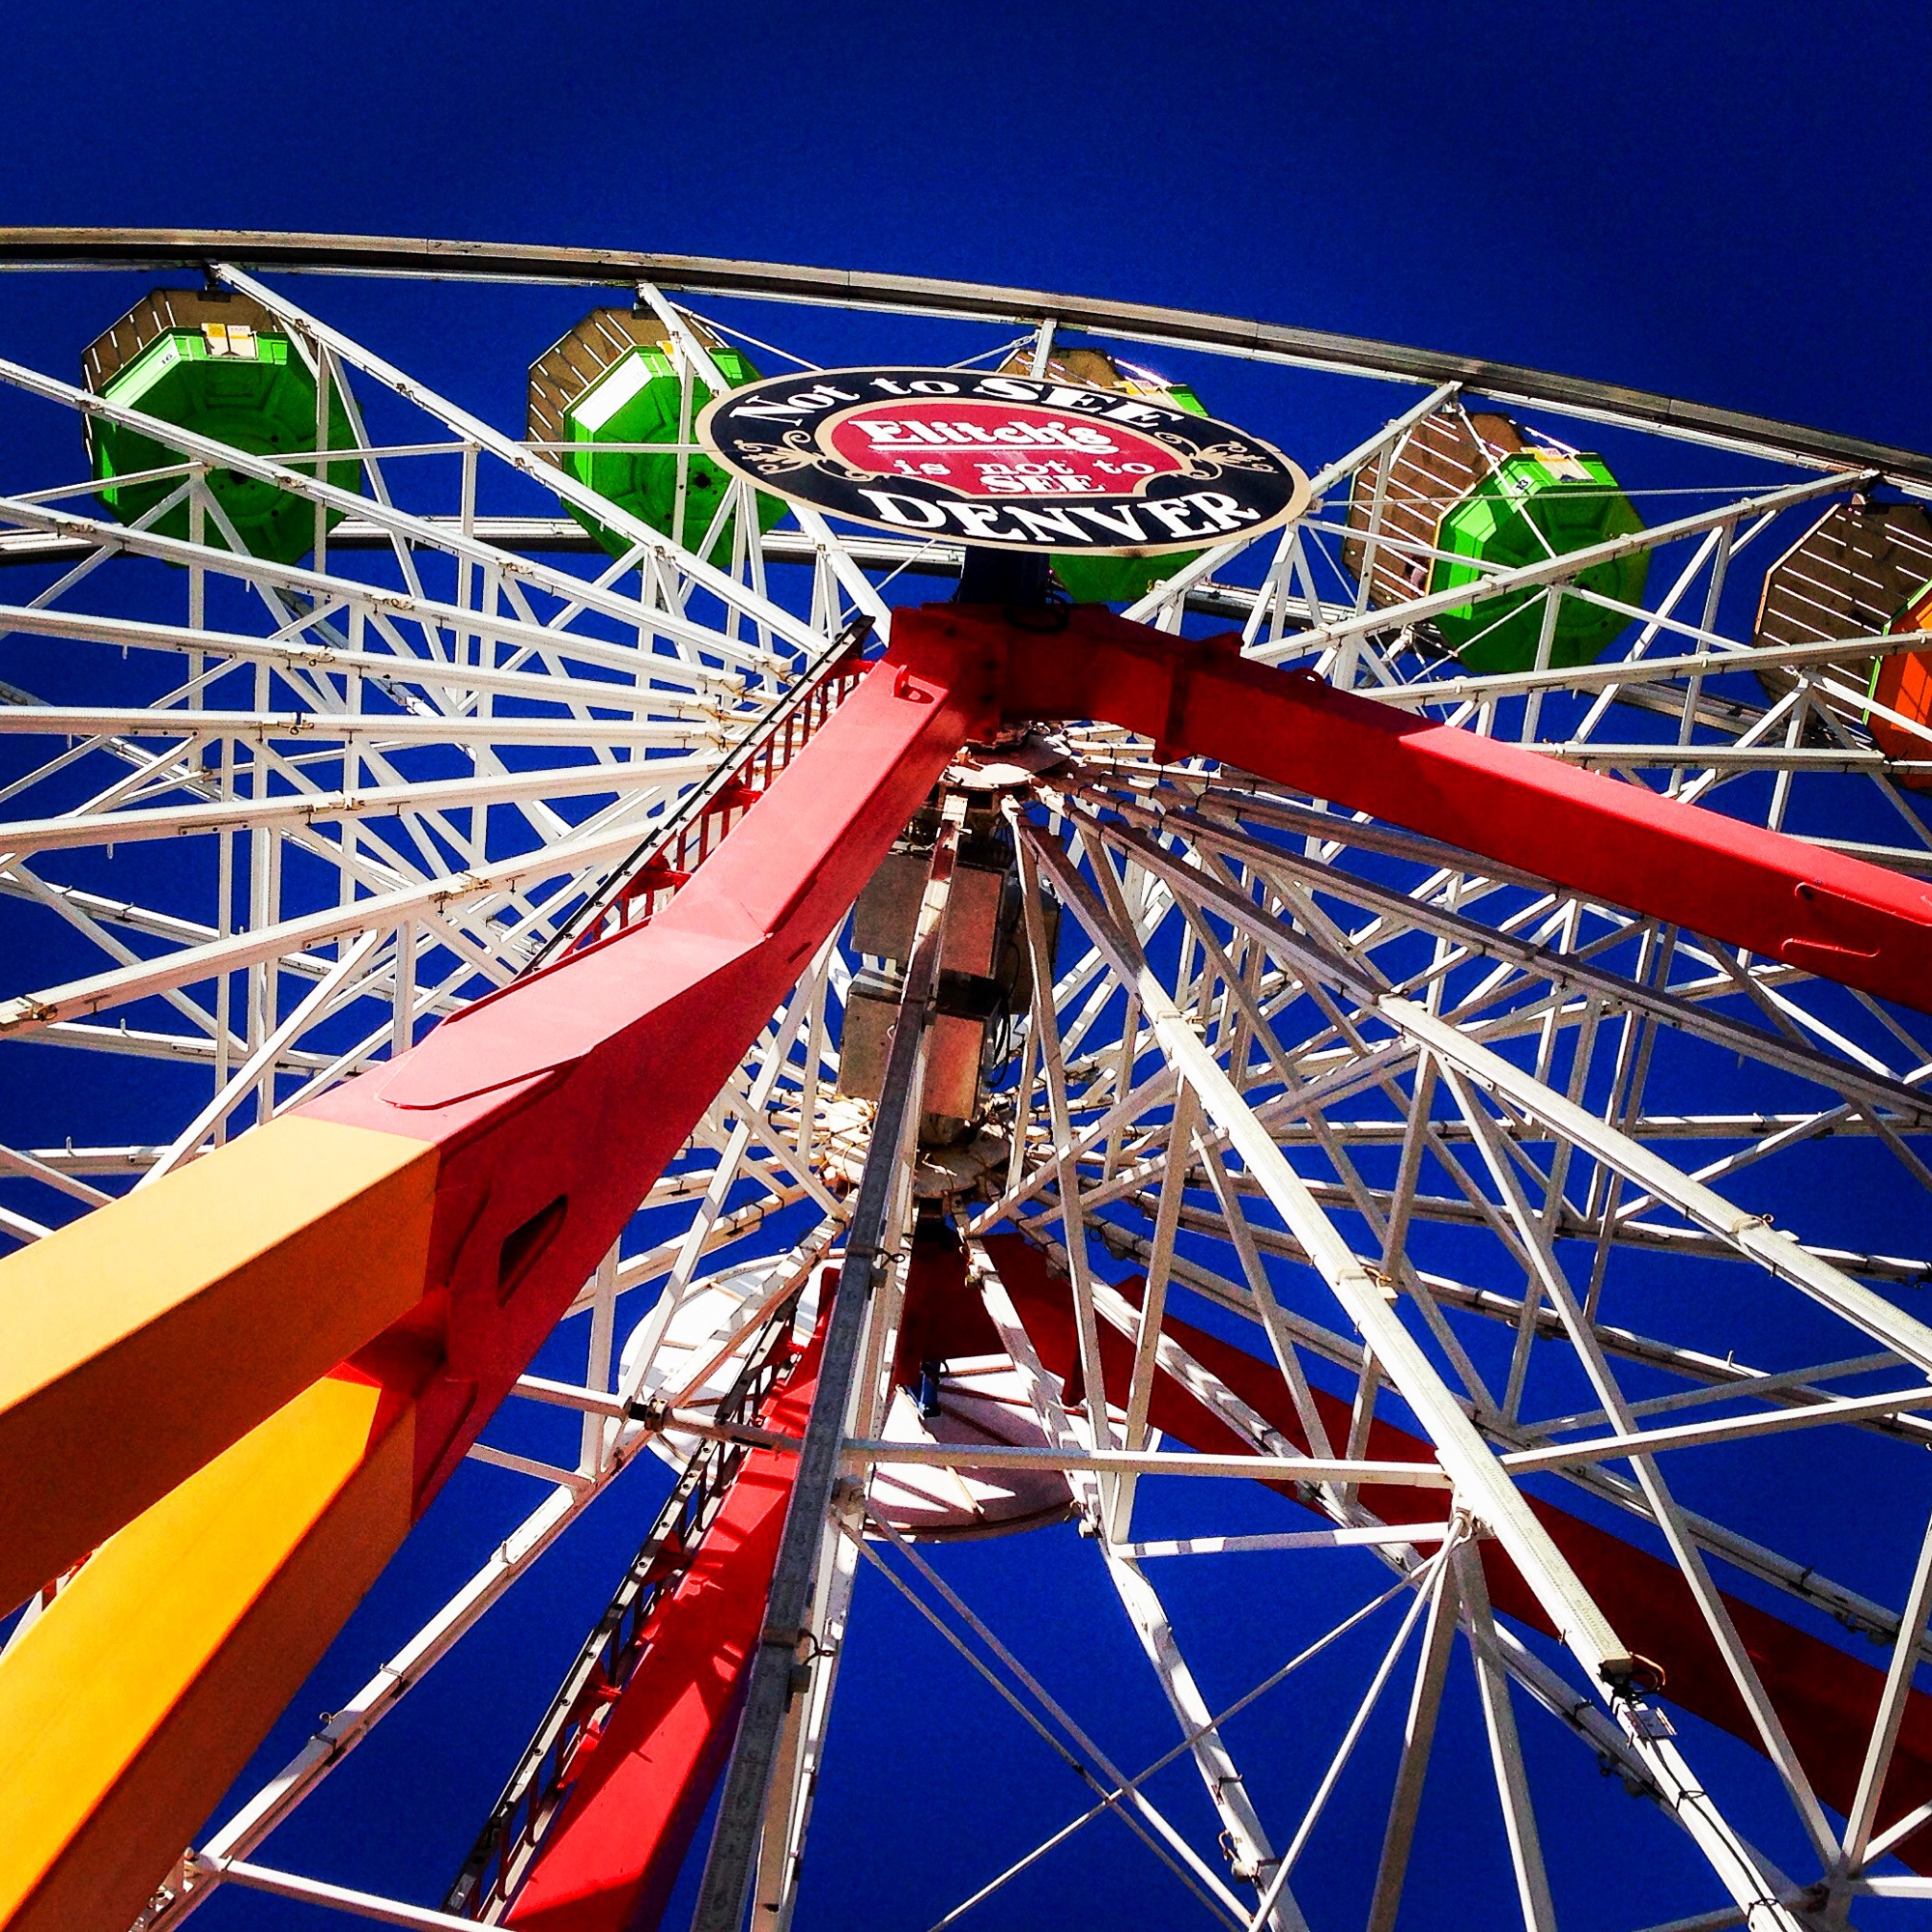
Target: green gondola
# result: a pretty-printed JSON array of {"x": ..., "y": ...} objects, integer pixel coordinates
[
  {"x": 1115, "y": 579},
  {"x": 617, "y": 378},
  {"x": 1533, "y": 503},
  {"x": 222, "y": 368}
]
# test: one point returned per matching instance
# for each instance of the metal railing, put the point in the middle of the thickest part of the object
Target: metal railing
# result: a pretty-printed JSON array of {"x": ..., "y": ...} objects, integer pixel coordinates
[
  {"x": 616, "y": 1647},
  {"x": 667, "y": 855}
]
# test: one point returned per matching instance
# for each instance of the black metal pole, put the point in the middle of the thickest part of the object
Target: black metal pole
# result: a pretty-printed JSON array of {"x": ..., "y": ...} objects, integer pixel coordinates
[{"x": 988, "y": 576}]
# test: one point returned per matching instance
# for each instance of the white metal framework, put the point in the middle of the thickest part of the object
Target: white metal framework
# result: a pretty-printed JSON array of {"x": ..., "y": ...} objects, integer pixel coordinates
[{"x": 1615, "y": 1219}]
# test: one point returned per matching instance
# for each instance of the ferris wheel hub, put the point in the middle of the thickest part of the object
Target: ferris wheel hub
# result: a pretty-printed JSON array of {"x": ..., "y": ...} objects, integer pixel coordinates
[{"x": 1007, "y": 762}]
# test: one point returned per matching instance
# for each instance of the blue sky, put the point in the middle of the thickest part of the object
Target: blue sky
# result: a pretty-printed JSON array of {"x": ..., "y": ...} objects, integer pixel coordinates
[{"x": 1724, "y": 202}]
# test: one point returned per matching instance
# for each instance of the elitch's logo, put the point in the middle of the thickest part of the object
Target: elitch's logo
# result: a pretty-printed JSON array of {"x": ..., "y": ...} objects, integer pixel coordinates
[{"x": 1016, "y": 462}]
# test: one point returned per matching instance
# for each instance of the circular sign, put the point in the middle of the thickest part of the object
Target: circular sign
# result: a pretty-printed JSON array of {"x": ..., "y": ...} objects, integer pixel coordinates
[{"x": 1014, "y": 462}]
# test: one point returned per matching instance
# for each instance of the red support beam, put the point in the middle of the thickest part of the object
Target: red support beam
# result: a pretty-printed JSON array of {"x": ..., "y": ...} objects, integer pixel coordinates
[
  {"x": 1778, "y": 897},
  {"x": 526, "y": 1131},
  {"x": 554, "y": 1103},
  {"x": 637, "y": 1790},
  {"x": 522, "y": 1133}
]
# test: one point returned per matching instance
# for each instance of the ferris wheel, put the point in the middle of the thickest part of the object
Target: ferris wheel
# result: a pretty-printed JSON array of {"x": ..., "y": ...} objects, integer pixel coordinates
[{"x": 1382, "y": 1052}]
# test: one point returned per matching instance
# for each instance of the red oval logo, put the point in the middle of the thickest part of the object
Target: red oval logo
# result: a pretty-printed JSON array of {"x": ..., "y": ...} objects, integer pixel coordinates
[{"x": 998, "y": 449}]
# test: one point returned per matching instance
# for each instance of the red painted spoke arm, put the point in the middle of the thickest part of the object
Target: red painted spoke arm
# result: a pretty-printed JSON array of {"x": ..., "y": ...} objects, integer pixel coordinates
[
  {"x": 1775, "y": 895},
  {"x": 514, "y": 1127},
  {"x": 637, "y": 1790},
  {"x": 554, "y": 1104},
  {"x": 432, "y": 1219},
  {"x": 451, "y": 1204},
  {"x": 520, "y": 1138}
]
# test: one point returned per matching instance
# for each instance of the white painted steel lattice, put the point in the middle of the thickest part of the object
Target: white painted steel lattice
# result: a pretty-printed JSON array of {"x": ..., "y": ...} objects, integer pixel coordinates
[{"x": 1573, "y": 1257}]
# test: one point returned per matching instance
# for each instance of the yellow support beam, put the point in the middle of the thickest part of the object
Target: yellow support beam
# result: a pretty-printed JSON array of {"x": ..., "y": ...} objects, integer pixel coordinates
[
  {"x": 148, "y": 1336},
  {"x": 142, "y": 1691}
]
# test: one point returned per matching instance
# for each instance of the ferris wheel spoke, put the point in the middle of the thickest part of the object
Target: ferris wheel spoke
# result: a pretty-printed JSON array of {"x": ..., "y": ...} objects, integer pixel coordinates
[
  {"x": 108, "y": 546},
  {"x": 1023, "y": 1691},
  {"x": 96, "y": 827},
  {"x": 1374, "y": 1067},
  {"x": 1539, "y": 1912},
  {"x": 579, "y": 496},
  {"x": 486, "y": 884},
  {"x": 263, "y": 1064},
  {"x": 1782, "y": 1255},
  {"x": 1859, "y": 1844},
  {"x": 1819, "y": 1411},
  {"x": 1253, "y": 1859},
  {"x": 1431, "y": 1668},
  {"x": 852, "y": 580},
  {"x": 1565, "y": 1708},
  {"x": 113, "y": 745},
  {"x": 63, "y": 1178},
  {"x": 1621, "y": 678},
  {"x": 1800, "y": 1580},
  {"x": 325, "y": 361},
  {"x": 1888, "y": 781},
  {"x": 149, "y": 773},
  {"x": 1242, "y": 1703},
  {"x": 328, "y": 732},
  {"x": 1179, "y": 1858},
  {"x": 443, "y": 680},
  {"x": 1640, "y": 1237},
  {"x": 1098, "y": 924},
  {"x": 1345, "y": 1276},
  {"x": 760, "y": 1127},
  {"x": 1568, "y": 969},
  {"x": 438, "y": 622},
  {"x": 211, "y": 1028},
  {"x": 1554, "y": 1284}
]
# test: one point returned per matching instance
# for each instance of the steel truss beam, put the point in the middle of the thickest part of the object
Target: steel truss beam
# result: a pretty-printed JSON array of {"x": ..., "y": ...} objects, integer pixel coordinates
[
  {"x": 198, "y": 248},
  {"x": 1784, "y": 1574},
  {"x": 731, "y": 1861},
  {"x": 1564, "y": 971},
  {"x": 1232, "y": 1009},
  {"x": 1483, "y": 1485}
]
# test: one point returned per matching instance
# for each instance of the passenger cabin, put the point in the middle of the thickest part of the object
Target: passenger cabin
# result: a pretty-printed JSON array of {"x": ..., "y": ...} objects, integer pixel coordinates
[
  {"x": 1902, "y": 684},
  {"x": 618, "y": 378},
  {"x": 221, "y": 366},
  {"x": 1863, "y": 569},
  {"x": 1467, "y": 494}
]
